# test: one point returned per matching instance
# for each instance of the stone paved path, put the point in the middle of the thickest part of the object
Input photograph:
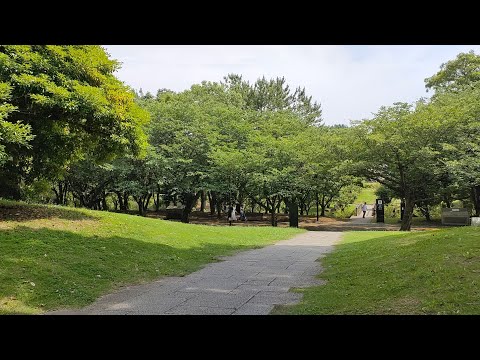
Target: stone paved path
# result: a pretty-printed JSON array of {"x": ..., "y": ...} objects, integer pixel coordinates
[
  {"x": 359, "y": 219},
  {"x": 249, "y": 283}
]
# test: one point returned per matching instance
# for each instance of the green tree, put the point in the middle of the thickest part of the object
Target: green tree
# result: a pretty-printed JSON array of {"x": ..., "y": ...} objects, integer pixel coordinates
[
  {"x": 275, "y": 95},
  {"x": 456, "y": 87},
  {"x": 456, "y": 75},
  {"x": 282, "y": 117},
  {"x": 182, "y": 132},
  {"x": 88, "y": 182},
  {"x": 332, "y": 164},
  {"x": 401, "y": 149},
  {"x": 68, "y": 101},
  {"x": 11, "y": 134},
  {"x": 137, "y": 177}
]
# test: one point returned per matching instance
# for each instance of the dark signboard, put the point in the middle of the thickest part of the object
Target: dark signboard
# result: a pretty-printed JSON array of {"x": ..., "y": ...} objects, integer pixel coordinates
[{"x": 380, "y": 210}]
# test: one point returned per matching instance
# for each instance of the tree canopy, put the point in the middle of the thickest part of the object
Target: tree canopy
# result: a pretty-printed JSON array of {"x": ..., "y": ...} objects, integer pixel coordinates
[
  {"x": 67, "y": 121},
  {"x": 65, "y": 104}
]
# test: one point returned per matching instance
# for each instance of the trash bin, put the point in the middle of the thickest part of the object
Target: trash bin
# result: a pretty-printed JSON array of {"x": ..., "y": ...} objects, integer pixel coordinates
[{"x": 475, "y": 221}]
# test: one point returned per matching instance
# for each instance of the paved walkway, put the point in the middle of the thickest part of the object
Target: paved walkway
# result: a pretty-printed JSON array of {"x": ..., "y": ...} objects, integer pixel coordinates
[
  {"x": 249, "y": 283},
  {"x": 359, "y": 219}
]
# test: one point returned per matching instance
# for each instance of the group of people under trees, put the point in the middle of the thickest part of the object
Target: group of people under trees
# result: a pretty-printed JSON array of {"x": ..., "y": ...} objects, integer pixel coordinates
[{"x": 232, "y": 214}]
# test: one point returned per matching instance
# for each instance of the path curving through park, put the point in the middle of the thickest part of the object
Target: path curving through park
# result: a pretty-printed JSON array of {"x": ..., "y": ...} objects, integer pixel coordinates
[{"x": 249, "y": 283}]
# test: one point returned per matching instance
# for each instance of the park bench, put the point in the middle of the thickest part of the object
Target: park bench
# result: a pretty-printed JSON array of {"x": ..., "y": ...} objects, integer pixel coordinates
[
  {"x": 174, "y": 213},
  {"x": 254, "y": 216},
  {"x": 454, "y": 216}
]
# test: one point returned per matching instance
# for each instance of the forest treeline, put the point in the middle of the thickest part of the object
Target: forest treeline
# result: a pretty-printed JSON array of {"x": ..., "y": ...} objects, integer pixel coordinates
[{"x": 73, "y": 134}]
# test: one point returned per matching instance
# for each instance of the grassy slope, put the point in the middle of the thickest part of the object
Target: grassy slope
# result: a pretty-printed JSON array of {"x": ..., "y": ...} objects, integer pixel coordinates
[
  {"x": 431, "y": 272},
  {"x": 53, "y": 257},
  {"x": 367, "y": 194}
]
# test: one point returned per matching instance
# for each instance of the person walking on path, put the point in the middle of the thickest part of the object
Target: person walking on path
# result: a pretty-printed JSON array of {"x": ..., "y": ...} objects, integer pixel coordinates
[
  {"x": 232, "y": 216},
  {"x": 364, "y": 209},
  {"x": 242, "y": 214}
]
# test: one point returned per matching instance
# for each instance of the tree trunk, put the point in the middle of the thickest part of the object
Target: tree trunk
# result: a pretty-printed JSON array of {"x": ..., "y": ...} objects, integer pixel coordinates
[
  {"x": 212, "y": 199},
  {"x": 65, "y": 190},
  {"x": 156, "y": 199},
  {"x": 60, "y": 195},
  {"x": 10, "y": 185},
  {"x": 186, "y": 214},
  {"x": 125, "y": 201},
  {"x": 273, "y": 213},
  {"x": 408, "y": 215},
  {"x": 147, "y": 202},
  {"x": 317, "y": 205},
  {"x": 292, "y": 213},
  {"x": 139, "y": 200},
  {"x": 211, "y": 202},
  {"x": 476, "y": 199},
  {"x": 104, "y": 202},
  {"x": 323, "y": 205},
  {"x": 309, "y": 206},
  {"x": 190, "y": 200},
  {"x": 273, "y": 217},
  {"x": 426, "y": 212},
  {"x": 219, "y": 207},
  {"x": 57, "y": 197},
  {"x": 120, "y": 200},
  {"x": 202, "y": 201}
]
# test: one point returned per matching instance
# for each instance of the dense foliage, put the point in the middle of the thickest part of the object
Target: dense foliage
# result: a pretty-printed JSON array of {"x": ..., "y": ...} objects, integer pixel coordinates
[
  {"x": 60, "y": 104},
  {"x": 67, "y": 122}
]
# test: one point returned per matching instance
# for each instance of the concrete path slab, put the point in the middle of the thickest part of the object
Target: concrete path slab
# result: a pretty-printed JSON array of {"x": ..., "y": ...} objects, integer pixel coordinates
[{"x": 249, "y": 283}]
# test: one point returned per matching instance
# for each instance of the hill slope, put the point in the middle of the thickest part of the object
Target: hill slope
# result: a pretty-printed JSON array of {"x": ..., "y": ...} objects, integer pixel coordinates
[
  {"x": 56, "y": 257},
  {"x": 376, "y": 272}
]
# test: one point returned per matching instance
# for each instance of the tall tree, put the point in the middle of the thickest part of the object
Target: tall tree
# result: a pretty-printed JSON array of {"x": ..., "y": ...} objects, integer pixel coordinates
[
  {"x": 457, "y": 92},
  {"x": 400, "y": 148},
  {"x": 456, "y": 75},
  {"x": 275, "y": 95},
  {"x": 182, "y": 131},
  {"x": 11, "y": 134},
  {"x": 72, "y": 103}
]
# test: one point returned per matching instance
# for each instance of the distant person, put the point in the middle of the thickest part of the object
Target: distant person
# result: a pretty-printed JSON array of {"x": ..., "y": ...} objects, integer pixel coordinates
[
  {"x": 364, "y": 208},
  {"x": 242, "y": 214},
  {"x": 232, "y": 216}
]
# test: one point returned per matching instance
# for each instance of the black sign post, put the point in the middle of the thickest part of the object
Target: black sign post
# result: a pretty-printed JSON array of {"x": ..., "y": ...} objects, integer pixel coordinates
[{"x": 379, "y": 205}]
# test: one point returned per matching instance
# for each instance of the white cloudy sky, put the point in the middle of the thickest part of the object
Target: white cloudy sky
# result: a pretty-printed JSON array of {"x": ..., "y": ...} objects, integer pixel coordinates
[{"x": 350, "y": 82}]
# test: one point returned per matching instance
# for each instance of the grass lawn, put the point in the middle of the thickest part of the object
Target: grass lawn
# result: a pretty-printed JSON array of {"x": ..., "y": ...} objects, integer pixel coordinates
[
  {"x": 53, "y": 257},
  {"x": 367, "y": 194},
  {"x": 430, "y": 272}
]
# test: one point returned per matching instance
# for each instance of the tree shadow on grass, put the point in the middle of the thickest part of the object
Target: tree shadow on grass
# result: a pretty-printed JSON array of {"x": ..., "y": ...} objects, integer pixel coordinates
[
  {"x": 12, "y": 211},
  {"x": 397, "y": 273},
  {"x": 50, "y": 269}
]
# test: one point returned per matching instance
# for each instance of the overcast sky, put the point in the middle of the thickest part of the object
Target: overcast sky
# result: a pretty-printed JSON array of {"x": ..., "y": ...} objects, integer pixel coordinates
[{"x": 350, "y": 82}]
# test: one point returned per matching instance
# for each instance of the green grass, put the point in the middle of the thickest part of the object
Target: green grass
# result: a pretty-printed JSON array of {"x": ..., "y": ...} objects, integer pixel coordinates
[
  {"x": 367, "y": 194},
  {"x": 53, "y": 257},
  {"x": 346, "y": 213},
  {"x": 430, "y": 272}
]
